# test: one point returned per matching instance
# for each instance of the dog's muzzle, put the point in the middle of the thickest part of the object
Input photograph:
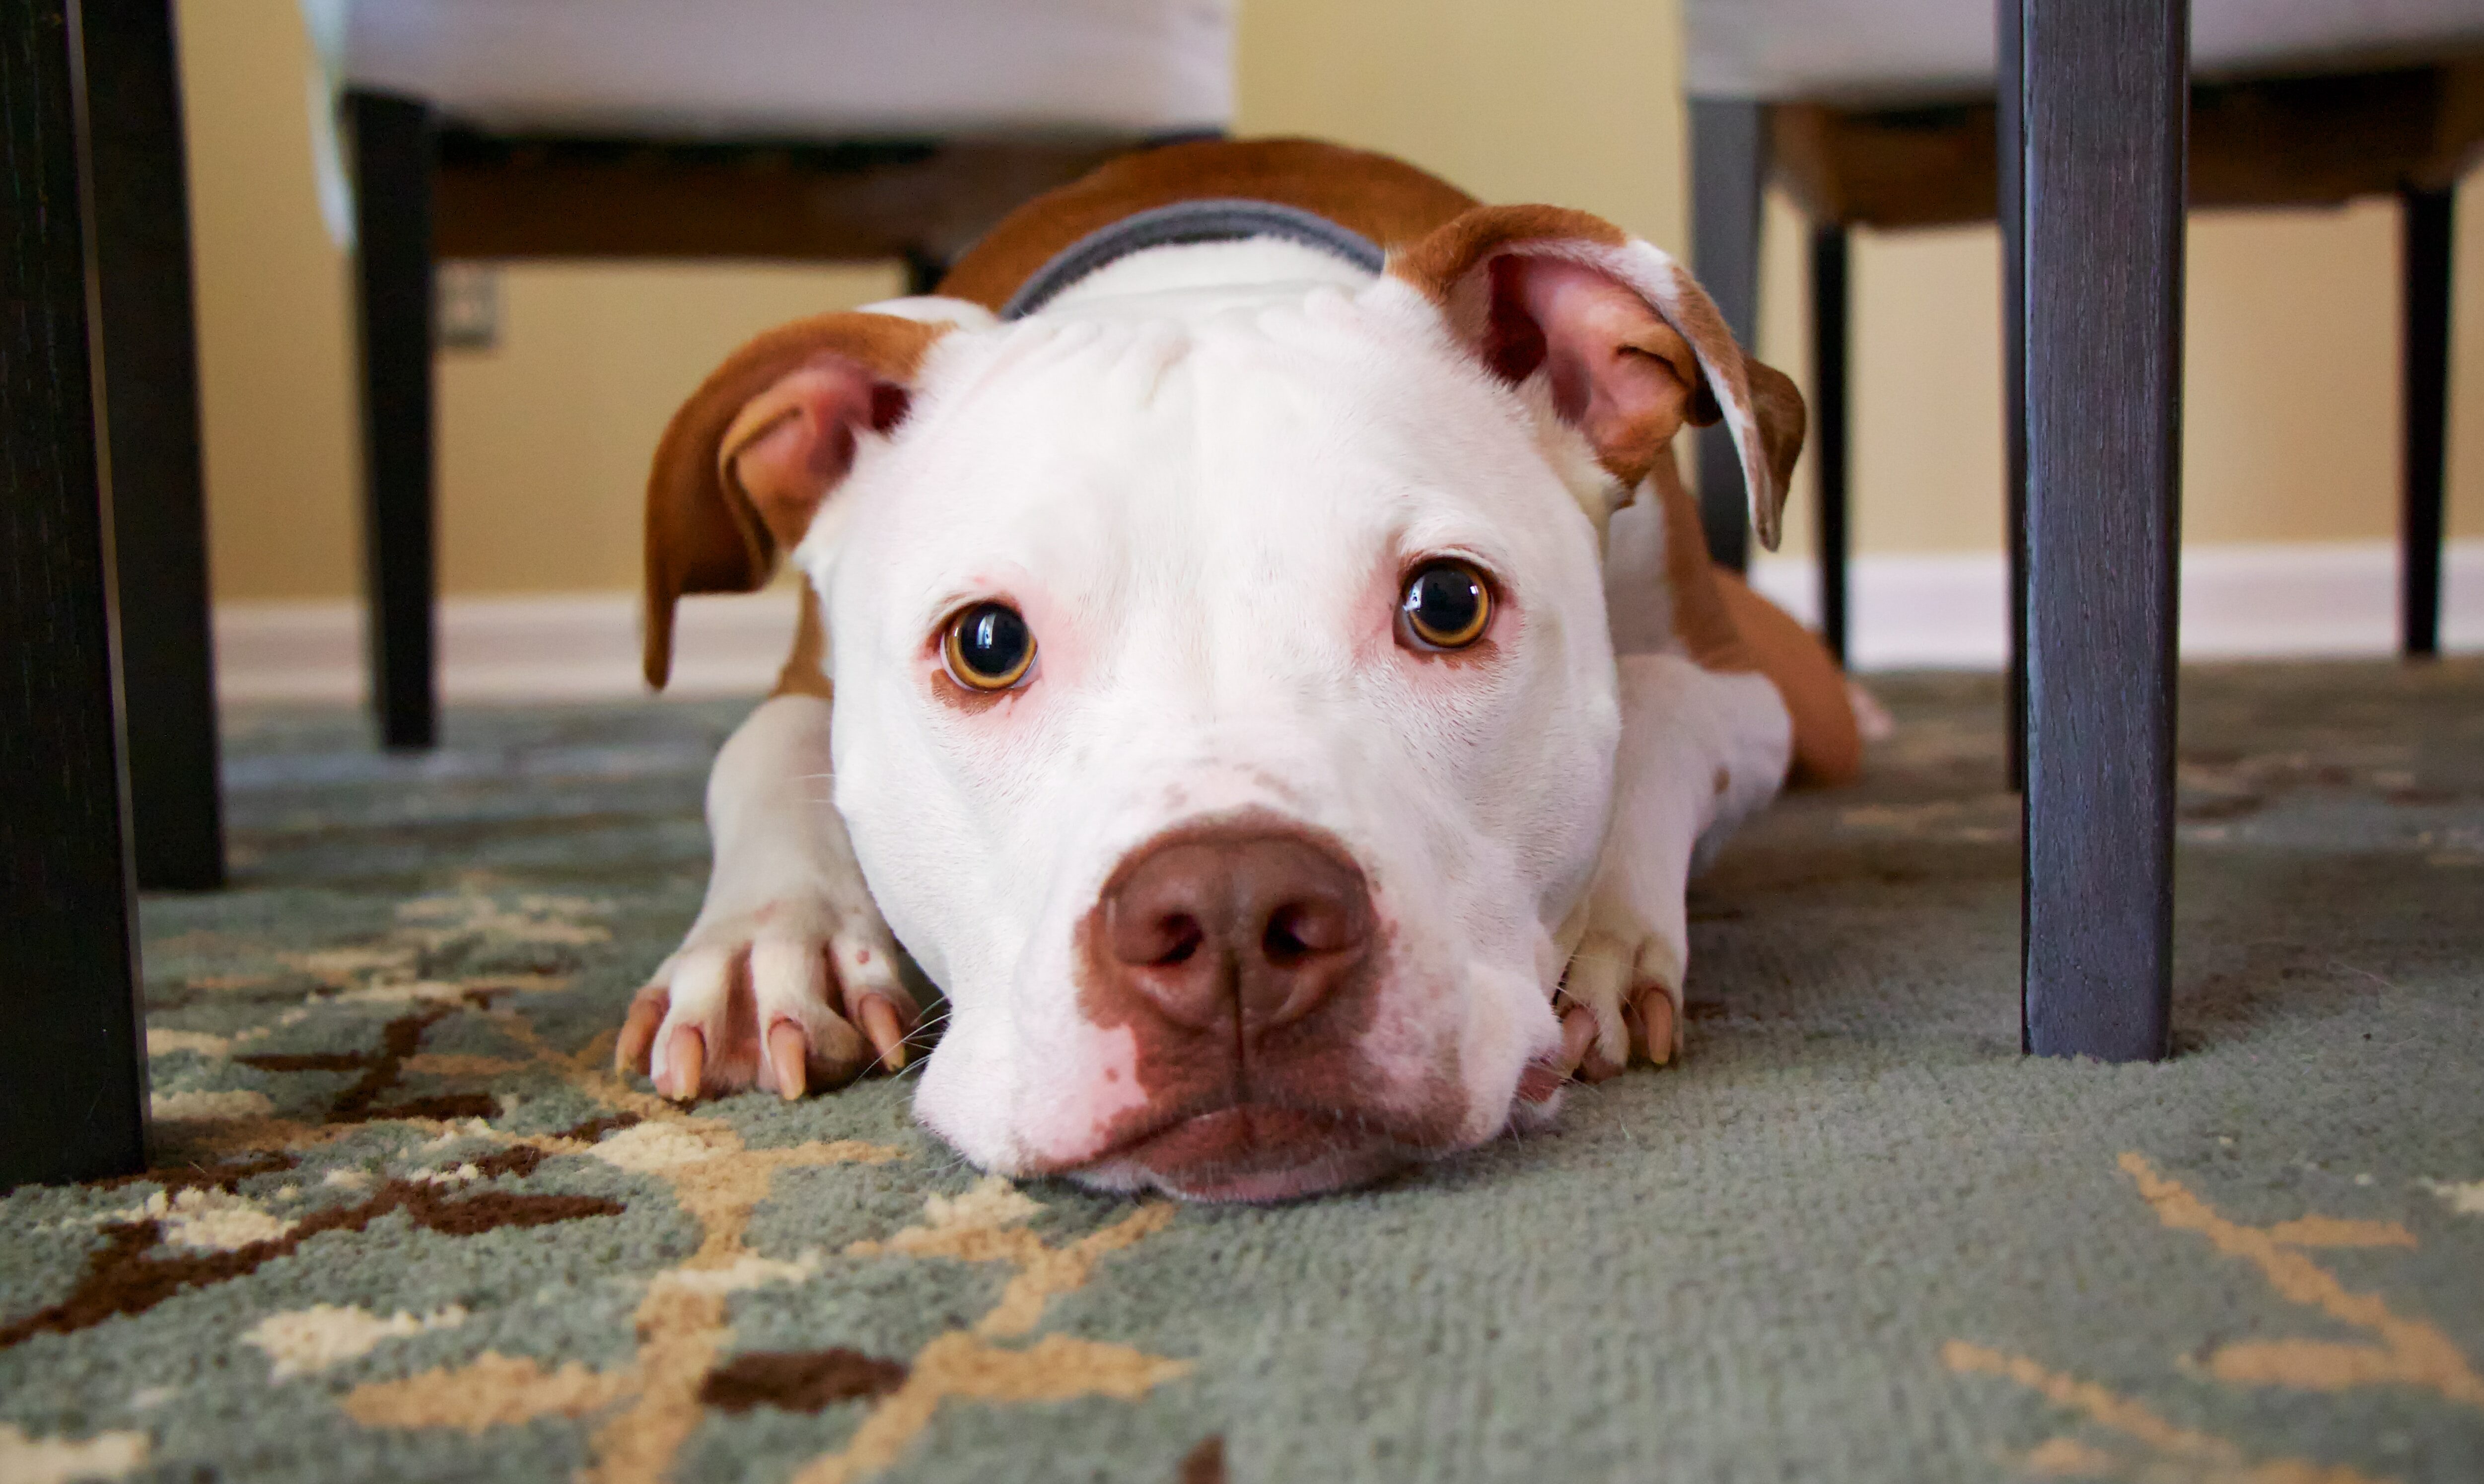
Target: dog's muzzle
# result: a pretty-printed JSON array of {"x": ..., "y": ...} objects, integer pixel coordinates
[{"x": 1245, "y": 960}]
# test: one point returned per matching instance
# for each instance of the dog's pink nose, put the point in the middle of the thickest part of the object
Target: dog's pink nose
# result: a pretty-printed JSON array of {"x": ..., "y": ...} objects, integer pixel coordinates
[{"x": 1257, "y": 926}]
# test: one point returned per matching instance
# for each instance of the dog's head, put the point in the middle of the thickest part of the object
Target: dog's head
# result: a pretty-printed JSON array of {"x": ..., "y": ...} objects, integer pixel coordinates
[{"x": 1225, "y": 707}]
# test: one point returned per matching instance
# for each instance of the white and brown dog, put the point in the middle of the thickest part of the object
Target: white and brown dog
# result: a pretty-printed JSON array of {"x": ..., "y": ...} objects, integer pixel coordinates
[{"x": 1264, "y": 664}]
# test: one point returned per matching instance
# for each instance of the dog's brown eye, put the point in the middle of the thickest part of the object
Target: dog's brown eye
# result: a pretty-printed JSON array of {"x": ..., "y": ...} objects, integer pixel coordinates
[
  {"x": 988, "y": 647},
  {"x": 1446, "y": 605}
]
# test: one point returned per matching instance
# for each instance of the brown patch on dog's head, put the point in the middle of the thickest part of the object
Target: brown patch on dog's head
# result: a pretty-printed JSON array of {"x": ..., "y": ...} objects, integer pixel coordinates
[
  {"x": 1385, "y": 199},
  {"x": 746, "y": 461}
]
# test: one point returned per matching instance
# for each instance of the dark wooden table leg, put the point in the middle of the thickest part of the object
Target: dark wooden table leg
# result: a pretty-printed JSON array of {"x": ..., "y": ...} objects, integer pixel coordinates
[
  {"x": 1728, "y": 138},
  {"x": 159, "y": 523},
  {"x": 74, "y": 1061},
  {"x": 392, "y": 160},
  {"x": 2424, "y": 276},
  {"x": 1831, "y": 328},
  {"x": 2104, "y": 109},
  {"x": 2011, "y": 145}
]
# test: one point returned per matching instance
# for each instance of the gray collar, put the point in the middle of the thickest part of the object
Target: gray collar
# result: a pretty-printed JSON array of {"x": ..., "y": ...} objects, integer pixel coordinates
[{"x": 1220, "y": 220}]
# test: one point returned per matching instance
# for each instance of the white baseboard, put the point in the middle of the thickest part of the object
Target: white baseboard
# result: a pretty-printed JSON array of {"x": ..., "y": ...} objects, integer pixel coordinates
[
  {"x": 567, "y": 647},
  {"x": 1946, "y": 611},
  {"x": 2238, "y": 602}
]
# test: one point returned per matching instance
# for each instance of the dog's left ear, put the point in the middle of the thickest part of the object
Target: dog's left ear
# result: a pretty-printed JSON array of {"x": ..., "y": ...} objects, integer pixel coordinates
[{"x": 1632, "y": 348}]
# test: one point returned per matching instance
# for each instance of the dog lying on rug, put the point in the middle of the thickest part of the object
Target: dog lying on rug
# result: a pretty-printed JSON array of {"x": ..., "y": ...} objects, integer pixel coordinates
[{"x": 1280, "y": 690}]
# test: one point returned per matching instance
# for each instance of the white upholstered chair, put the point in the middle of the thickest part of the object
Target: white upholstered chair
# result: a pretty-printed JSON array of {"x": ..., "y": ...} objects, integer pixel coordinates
[{"x": 788, "y": 129}]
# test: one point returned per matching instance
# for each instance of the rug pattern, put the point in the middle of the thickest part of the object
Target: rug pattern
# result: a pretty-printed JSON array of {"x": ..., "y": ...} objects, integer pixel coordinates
[{"x": 407, "y": 1224}]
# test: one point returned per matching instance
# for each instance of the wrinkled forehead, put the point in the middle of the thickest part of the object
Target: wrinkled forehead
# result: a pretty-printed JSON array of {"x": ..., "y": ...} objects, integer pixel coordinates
[{"x": 1316, "y": 429}]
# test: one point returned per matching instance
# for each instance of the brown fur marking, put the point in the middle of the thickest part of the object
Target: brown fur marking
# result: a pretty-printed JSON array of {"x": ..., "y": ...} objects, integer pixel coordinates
[
  {"x": 1696, "y": 315},
  {"x": 1701, "y": 621},
  {"x": 1776, "y": 403},
  {"x": 1388, "y": 200},
  {"x": 806, "y": 668},
  {"x": 1443, "y": 260},
  {"x": 1828, "y": 743}
]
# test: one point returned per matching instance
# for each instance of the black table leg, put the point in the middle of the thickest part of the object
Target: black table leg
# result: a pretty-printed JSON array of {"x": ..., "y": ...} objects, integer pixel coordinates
[
  {"x": 1727, "y": 157},
  {"x": 2104, "y": 110},
  {"x": 2425, "y": 268},
  {"x": 159, "y": 524},
  {"x": 72, "y": 1062},
  {"x": 392, "y": 163},
  {"x": 1831, "y": 328}
]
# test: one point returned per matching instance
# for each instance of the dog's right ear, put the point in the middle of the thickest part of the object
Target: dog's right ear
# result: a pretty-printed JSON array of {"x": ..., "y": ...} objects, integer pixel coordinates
[
  {"x": 747, "y": 462},
  {"x": 1631, "y": 348}
]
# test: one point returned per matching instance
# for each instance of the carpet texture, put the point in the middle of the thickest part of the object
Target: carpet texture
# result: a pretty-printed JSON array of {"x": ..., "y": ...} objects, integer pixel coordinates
[{"x": 407, "y": 1226}]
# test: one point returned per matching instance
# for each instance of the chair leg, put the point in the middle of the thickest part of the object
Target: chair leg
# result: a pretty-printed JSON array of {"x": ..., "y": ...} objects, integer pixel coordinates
[
  {"x": 2426, "y": 271},
  {"x": 923, "y": 270},
  {"x": 392, "y": 158},
  {"x": 2104, "y": 110},
  {"x": 1830, "y": 331},
  {"x": 72, "y": 1065},
  {"x": 159, "y": 529},
  {"x": 1728, "y": 143}
]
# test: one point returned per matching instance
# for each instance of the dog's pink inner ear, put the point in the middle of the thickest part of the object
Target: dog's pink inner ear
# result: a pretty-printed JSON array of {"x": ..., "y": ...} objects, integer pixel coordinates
[
  {"x": 793, "y": 443},
  {"x": 1617, "y": 372}
]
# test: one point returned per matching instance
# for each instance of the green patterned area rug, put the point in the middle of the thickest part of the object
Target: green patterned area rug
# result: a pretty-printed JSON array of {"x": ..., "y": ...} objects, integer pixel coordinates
[{"x": 407, "y": 1226}]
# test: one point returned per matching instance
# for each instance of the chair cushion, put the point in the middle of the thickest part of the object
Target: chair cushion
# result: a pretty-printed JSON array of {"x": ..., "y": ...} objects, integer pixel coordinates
[
  {"x": 1865, "y": 49},
  {"x": 796, "y": 68}
]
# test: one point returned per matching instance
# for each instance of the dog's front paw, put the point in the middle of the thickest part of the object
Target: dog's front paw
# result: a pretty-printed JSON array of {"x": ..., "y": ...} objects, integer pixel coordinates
[
  {"x": 788, "y": 997},
  {"x": 1621, "y": 1000},
  {"x": 1699, "y": 751}
]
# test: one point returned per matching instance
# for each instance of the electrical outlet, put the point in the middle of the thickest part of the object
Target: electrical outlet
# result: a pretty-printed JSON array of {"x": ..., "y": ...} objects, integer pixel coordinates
[{"x": 465, "y": 306}]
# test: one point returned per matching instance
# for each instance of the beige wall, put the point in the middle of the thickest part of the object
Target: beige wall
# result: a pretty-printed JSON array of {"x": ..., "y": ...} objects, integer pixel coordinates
[
  {"x": 2290, "y": 398},
  {"x": 1573, "y": 101},
  {"x": 2293, "y": 360},
  {"x": 275, "y": 344}
]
